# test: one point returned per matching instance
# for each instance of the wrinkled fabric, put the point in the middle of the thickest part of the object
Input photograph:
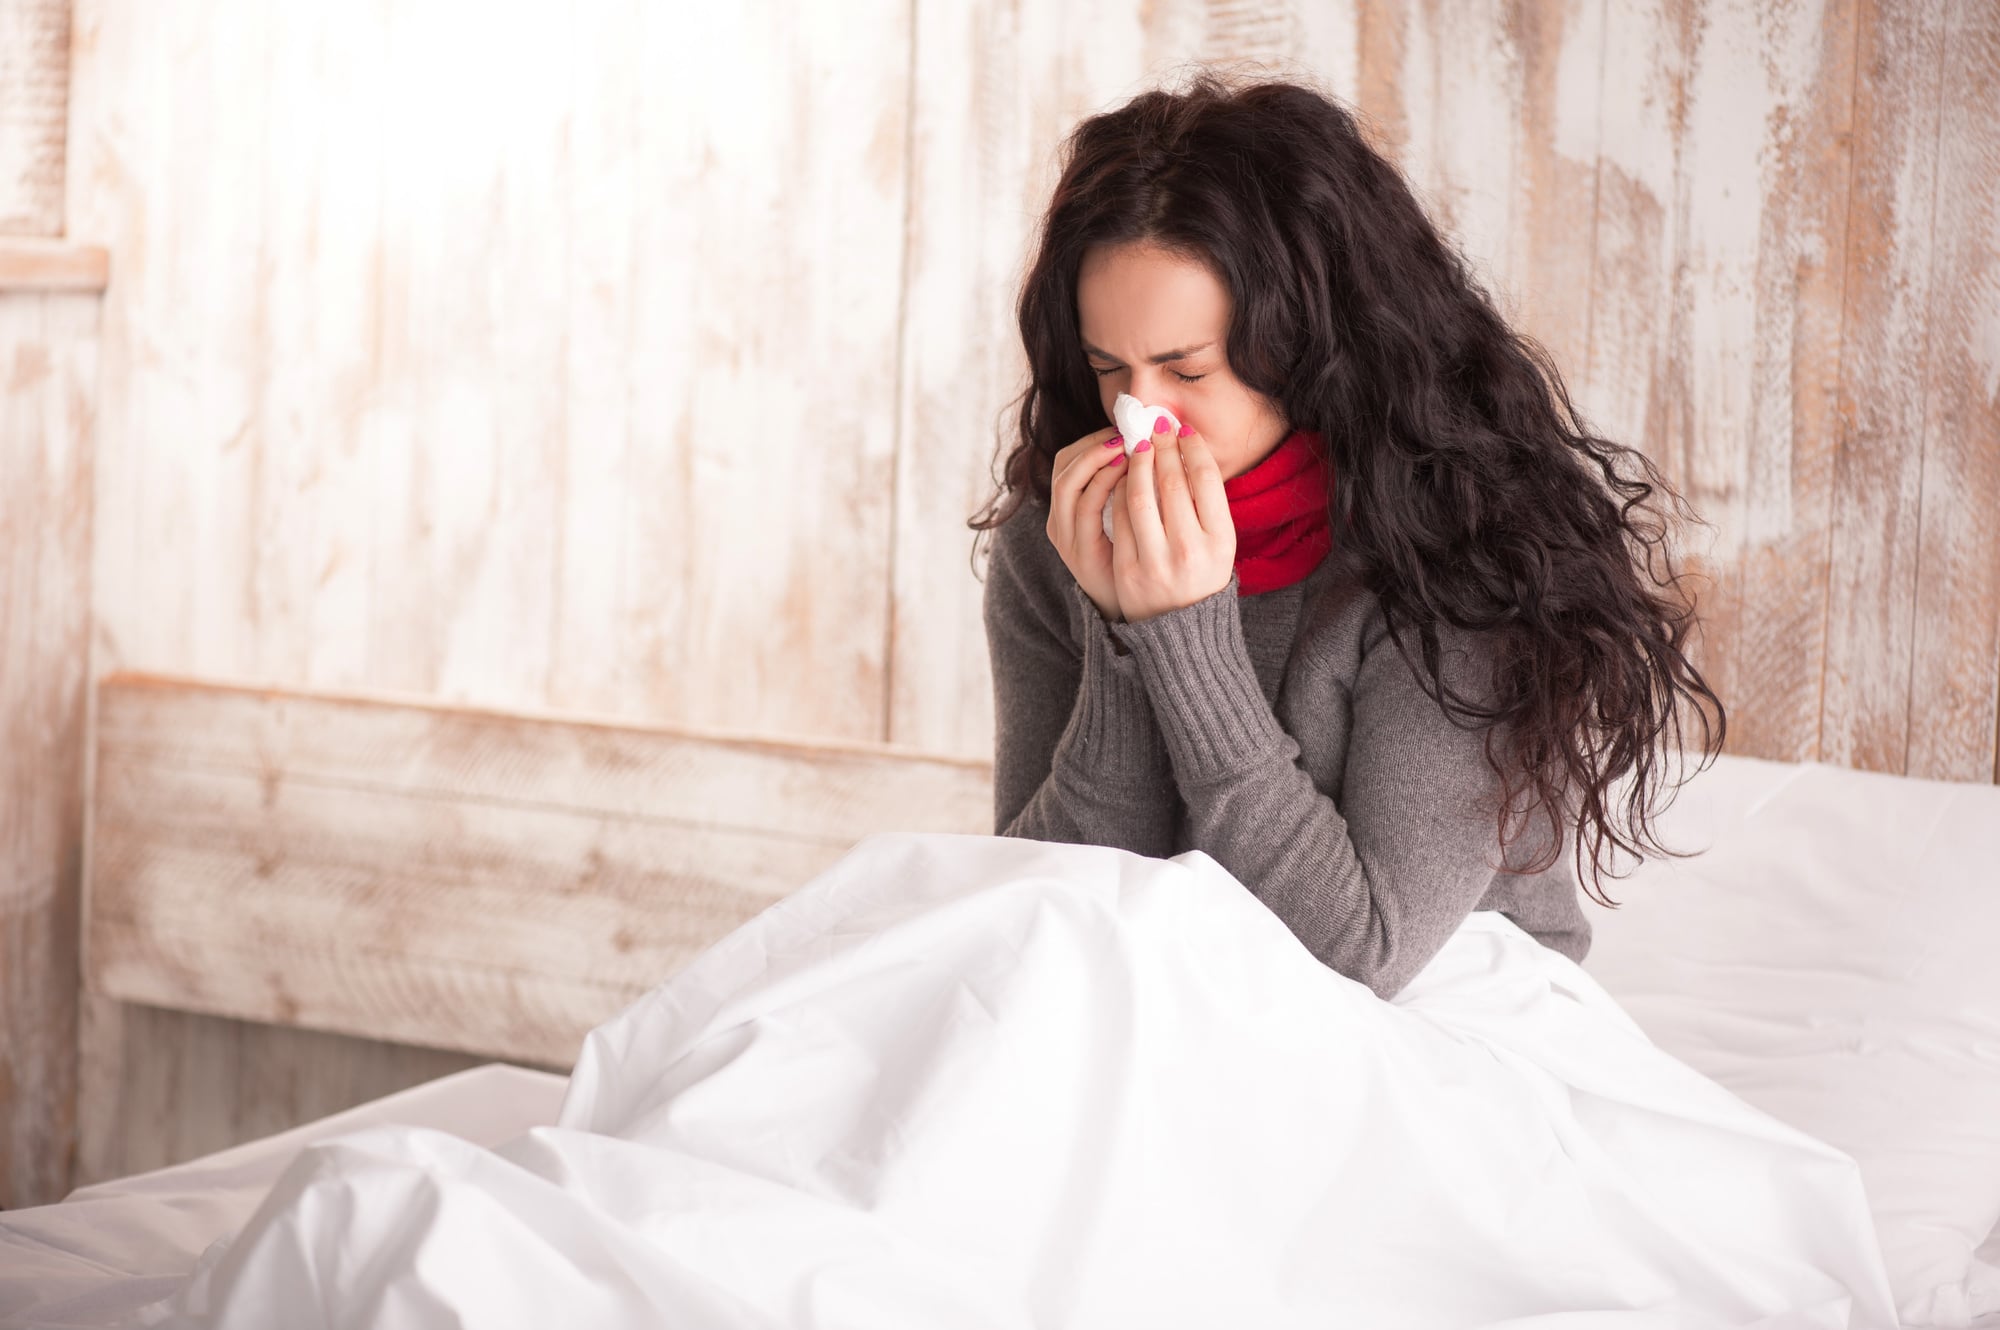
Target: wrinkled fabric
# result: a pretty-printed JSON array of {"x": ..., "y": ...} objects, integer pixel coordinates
[{"x": 985, "y": 1082}]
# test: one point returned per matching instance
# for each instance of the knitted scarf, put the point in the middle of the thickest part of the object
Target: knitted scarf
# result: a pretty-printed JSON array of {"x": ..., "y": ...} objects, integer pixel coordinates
[{"x": 1279, "y": 508}]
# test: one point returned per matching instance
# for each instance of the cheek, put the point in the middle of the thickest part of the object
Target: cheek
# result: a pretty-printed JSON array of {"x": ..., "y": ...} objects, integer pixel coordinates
[{"x": 1217, "y": 414}]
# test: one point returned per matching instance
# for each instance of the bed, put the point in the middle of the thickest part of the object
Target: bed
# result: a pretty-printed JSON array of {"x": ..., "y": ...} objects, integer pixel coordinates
[{"x": 1824, "y": 959}]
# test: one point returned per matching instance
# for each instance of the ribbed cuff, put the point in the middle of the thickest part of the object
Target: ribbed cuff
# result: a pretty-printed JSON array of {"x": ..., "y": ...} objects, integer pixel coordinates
[
  {"x": 1206, "y": 700},
  {"x": 1112, "y": 737}
]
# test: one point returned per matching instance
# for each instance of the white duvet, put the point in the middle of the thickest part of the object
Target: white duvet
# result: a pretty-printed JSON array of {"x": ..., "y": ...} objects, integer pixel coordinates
[{"x": 971, "y": 1082}]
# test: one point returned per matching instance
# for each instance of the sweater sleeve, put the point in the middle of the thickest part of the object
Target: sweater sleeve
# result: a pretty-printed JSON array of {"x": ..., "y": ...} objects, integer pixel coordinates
[
  {"x": 1372, "y": 883},
  {"x": 1077, "y": 755}
]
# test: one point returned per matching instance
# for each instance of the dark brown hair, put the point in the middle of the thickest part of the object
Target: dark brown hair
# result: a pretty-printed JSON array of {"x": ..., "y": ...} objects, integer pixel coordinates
[{"x": 1462, "y": 479}]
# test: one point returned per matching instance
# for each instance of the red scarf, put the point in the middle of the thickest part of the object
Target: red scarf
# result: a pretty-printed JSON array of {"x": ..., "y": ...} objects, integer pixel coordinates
[{"x": 1279, "y": 507}]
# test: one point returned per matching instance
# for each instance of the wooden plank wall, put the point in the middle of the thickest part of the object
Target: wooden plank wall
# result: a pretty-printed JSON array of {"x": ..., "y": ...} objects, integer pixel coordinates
[
  {"x": 47, "y": 369},
  {"x": 48, "y": 348},
  {"x": 646, "y": 365},
  {"x": 1759, "y": 242}
]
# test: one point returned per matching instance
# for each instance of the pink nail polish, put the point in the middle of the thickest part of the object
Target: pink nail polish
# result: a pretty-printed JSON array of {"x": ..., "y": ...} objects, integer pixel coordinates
[
  {"x": 1114, "y": 441},
  {"x": 1145, "y": 445},
  {"x": 1186, "y": 430},
  {"x": 1160, "y": 425},
  {"x": 1117, "y": 461}
]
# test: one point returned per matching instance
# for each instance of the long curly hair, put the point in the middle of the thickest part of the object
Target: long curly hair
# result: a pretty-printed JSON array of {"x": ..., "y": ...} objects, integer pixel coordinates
[{"x": 1461, "y": 474}]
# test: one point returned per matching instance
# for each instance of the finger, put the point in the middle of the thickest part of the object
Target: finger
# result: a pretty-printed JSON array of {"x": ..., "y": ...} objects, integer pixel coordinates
[
  {"x": 1096, "y": 494},
  {"x": 1085, "y": 448},
  {"x": 1121, "y": 521},
  {"x": 1170, "y": 482},
  {"x": 1086, "y": 458},
  {"x": 1142, "y": 502},
  {"x": 1204, "y": 477}
]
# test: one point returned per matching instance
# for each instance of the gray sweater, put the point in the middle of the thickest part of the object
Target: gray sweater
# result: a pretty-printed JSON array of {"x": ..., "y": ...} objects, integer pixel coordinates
[{"x": 1282, "y": 734}]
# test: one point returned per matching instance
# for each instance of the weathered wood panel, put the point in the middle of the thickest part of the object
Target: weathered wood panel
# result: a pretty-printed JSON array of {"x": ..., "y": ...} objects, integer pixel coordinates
[
  {"x": 47, "y": 367},
  {"x": 371, "y": 330},
  {"x": 1885, "y": 338},
  {"x": 34, "y": 264},
  {"x": 1717, "y": 316},
  {"x": 34, "y": 96},
  {"x": 1555, "y": 181},
  {"x": 1954, "y": 726},
  {"x": 1660, "y": 199},
  {"x": 227, "y": 1082},
  {"x": 486, "y": 883}
]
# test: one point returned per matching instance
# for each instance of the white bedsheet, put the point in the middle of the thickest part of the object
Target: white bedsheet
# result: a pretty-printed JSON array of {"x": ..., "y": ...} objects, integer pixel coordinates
[
  {"x": 111, "y": 1248},
  {"x": 1829, "y": 956},
  {"x": 981, "y": 1082}
]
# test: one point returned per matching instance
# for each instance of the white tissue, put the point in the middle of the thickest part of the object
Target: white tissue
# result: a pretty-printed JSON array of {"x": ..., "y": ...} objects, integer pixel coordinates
[{"x": 1135, "y": 421}]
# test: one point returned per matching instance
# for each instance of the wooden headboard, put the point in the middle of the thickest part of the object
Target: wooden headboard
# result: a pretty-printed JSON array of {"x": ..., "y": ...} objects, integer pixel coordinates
[{"x": 491, "y": 883}]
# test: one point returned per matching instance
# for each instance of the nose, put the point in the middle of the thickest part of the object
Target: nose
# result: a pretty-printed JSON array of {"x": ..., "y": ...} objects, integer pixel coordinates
[{"x": 1152, "y": 385}]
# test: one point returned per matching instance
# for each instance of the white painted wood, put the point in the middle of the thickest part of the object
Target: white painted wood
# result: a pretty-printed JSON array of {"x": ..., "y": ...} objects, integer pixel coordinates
[
  {"x": 1716, "y": 320},
  {"x": 1878, "y": 470},
  {"x": 29, "y": 263},
  {"x": 47, "y": 362},
  {"x": 1954, "y": 691},
  {"x": 481, "y": 882},
  {"x": 377, "y": 325},
  {"x": 34, "y": 87},
  {"x": 1554, "y": 185}
]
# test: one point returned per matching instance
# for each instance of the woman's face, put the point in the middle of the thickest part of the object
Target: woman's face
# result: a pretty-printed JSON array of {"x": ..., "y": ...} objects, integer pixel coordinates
[{"x": 1136, "y": 303}]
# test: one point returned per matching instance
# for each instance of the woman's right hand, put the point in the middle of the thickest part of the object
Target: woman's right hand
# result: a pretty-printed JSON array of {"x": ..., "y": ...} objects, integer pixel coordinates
[{"x": 1080, "y": 485}]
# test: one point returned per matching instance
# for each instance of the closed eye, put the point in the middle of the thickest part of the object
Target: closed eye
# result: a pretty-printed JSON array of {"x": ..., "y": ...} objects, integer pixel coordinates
[{"x": 1184, "y": 378}]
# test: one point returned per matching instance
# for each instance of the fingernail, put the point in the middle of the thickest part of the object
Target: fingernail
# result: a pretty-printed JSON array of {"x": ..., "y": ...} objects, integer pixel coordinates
[
  {"x": 1117, "y": 461},
  {"x": 1145, "y": 445},
  {"x": 1186, "y": 430},
  {"x": 1114, "y": 441},
  {"x": 1161, "y": 424}
]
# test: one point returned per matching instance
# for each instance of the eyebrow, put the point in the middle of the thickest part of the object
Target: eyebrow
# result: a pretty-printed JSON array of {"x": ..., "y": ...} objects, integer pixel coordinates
[{"x": 1160, "y": 359}]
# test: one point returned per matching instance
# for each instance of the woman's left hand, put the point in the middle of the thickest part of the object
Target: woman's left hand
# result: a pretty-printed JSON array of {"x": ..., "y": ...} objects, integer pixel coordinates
[{"x": 1174, "y": 542}]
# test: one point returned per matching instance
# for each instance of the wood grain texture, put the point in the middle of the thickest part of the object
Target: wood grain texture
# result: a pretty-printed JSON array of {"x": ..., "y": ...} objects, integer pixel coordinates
[
  {"x": 486, "y": 883},
  {"x": 1771, "y": 491},
  {"x": 29, "y": 263},
  {"x": 1955, "y": 635},
  {"x": 399, "y": 473},
  {"x": 570, "y": 387},
  {"x": 1885, "y": 345},
  {"x": 34, "y": 101},
  {"x": 1717, "y": 315},
  {"x": 1554, "y": 186},
  {"x": 47, "y": 350},
  {"x": 229, "y": 1082}
]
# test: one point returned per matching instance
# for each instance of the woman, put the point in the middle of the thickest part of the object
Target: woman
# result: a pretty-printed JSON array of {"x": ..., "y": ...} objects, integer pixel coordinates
[{"x": 1383, "y": 628}]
